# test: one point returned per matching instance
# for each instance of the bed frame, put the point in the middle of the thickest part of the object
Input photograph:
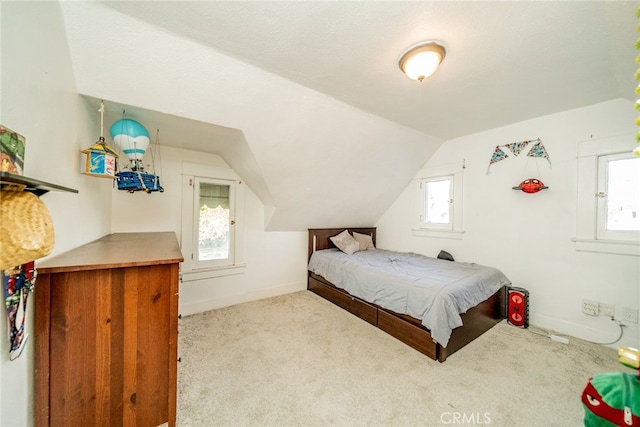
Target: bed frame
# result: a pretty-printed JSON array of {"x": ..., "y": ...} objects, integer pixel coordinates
[{"x": 407, "y": 329}]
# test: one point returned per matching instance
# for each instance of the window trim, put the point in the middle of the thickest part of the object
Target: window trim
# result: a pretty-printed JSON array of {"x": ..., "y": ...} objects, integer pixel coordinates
[
  {"x": 455, "y": 231},
  {"x": 189, "y": 269},
  {"x": 586, "y": 238},
  {"x": 603, "y": 177},
  {"x": 215, "y": 263},
  {"x": 424, "y": 184}
]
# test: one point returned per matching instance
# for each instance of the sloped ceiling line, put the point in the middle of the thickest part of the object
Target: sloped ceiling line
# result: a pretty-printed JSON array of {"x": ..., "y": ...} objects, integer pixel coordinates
[
  {"x": 315, "y": 90},
  {"x": 307, "y": 145}
]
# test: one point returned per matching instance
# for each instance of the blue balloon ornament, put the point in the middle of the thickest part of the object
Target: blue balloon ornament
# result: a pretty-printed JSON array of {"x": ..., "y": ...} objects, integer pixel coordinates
[{"x": 132, "y": 138}]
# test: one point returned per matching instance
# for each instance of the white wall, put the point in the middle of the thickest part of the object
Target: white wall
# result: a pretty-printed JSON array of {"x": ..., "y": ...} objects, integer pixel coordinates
[
  {"x": 39, "y": 100},
  {"x": 528, "y": 236},
  {"x": 275, "y": 261},
  {"x": 344, "y": 156}
]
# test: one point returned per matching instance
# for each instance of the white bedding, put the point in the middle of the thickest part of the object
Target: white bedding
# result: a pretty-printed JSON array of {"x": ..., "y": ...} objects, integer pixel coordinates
[{"x": 433, "y": 290}]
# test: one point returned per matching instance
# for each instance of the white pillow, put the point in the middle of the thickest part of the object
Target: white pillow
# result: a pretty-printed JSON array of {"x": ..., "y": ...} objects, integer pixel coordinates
[
  {"x": 345, "y": 242},
  {"x": 364, "y": 240}
]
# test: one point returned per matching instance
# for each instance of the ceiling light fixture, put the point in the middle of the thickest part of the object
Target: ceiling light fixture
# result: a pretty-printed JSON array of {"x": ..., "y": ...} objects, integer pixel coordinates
[{"x": 422, "y": 60}]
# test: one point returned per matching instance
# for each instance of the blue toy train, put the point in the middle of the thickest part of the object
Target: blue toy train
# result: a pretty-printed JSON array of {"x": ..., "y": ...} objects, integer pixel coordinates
[{"x": 138, "y": 181}]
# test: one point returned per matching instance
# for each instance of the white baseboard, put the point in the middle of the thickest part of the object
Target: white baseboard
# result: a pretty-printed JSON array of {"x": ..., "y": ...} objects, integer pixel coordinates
[
  {"x": 186, "y": 309},
  {"x": 609, "y": 332}
]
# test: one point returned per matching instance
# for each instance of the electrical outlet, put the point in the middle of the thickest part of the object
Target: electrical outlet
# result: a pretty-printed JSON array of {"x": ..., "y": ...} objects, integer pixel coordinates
[
  {"x": 629, "y": 314},
  {"x": 590, "y": 307},
  {"x": 606, "y": 309}
]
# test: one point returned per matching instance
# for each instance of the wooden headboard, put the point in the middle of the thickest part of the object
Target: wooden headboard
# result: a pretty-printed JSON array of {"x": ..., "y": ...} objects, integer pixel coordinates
[{"x": 319, "y": 237}]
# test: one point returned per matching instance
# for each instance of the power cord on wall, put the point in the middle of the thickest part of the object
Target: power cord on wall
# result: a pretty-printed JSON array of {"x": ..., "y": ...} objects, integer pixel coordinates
[
  {"x": 543, "y": 333},
  {"x": 621, "y": 324}
]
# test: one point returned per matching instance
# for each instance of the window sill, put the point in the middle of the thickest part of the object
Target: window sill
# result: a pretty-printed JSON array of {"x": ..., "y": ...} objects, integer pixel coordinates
[
  {"x": 440, "y": 234},
  {"x": 607, "y": 246},
  {"x": 210, "y": 273}
]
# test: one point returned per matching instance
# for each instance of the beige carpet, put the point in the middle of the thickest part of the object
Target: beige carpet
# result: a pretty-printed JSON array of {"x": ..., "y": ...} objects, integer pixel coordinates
[{"x": 298, "y": 360}]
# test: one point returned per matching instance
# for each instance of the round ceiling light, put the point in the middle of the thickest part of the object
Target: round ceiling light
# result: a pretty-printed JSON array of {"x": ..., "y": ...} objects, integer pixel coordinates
[{"x": 422, "y": 60}]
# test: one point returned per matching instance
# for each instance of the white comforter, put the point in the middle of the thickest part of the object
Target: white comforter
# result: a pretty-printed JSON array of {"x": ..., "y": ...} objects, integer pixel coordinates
[{"x": 433, "y": 290}]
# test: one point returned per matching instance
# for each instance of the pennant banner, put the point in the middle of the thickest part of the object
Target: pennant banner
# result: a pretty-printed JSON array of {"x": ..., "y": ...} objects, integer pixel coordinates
[
  {"x": 498, "y": 155},
  {"x": 537, "y": 150},
  {"x": 517, "y": 147}
]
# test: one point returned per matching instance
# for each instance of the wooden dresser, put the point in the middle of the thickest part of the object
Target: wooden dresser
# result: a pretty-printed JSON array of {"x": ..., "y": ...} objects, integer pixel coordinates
[{"x": 106, "y": 326}]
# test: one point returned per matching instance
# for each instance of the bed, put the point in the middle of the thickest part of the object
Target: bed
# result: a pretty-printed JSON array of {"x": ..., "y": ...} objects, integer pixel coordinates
[{"x": 394, "y": 316}]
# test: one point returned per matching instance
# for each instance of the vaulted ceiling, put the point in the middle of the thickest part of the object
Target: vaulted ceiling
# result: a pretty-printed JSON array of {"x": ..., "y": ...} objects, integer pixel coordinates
[
  {"x": 541, "y": 56},
  {"x": 346, "y": 101}
]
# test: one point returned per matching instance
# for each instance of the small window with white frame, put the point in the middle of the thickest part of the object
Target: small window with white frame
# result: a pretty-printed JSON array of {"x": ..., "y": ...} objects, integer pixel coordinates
[
  {"x": 214, "y": 217},
  {"x": 618, "y": 197},
  {"x": 608, "y": 196},
  {"x": 436, "y": 207},
  {"x": 212, "y": 227}
]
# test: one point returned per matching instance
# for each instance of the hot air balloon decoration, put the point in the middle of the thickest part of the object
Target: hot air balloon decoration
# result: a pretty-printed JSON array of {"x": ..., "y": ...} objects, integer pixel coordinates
[
  {"x": 133, "y": 140},
  {"x": 530, "y": 185}
]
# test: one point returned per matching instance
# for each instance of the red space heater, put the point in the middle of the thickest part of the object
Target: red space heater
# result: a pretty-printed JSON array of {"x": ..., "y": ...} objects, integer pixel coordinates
[{"x": 518, "y": 307}]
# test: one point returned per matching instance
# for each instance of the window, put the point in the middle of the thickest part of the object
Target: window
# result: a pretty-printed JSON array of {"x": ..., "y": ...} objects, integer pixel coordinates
[
  {"x": 439, "y": 206},
  {"x": 213, "y": 221},
  {"x": 618, "y": 215},
  {"x": 437, "y": 203},
  {"x": 608, "y": 200},
  {"x": 212, "y": 229}
]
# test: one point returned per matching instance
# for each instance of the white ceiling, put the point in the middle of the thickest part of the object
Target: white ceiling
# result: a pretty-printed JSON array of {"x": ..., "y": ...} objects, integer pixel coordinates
[
  {"x": 507, "y": 61},
  {"x": 305, "y": 100}
]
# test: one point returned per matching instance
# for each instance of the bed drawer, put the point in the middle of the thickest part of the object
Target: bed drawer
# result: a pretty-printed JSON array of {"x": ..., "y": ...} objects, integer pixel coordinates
[
  {"x": 342, "y": 299},
  {"x": 414, "y": 336}
]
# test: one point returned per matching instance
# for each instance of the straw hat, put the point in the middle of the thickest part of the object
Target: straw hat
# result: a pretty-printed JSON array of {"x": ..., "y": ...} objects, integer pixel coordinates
[{"x": 26, "y": 229}]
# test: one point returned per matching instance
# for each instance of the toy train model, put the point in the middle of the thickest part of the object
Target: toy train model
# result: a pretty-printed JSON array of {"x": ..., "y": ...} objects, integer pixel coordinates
[{"x": 138, "y": 181}]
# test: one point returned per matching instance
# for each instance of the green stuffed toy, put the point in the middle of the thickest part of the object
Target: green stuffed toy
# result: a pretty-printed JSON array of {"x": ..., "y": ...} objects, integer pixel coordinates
[{"x": 613, "y": 399}]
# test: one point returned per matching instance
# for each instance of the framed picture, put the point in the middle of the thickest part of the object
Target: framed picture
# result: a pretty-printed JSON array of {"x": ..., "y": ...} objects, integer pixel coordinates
[{"x": 12, "y": 146}]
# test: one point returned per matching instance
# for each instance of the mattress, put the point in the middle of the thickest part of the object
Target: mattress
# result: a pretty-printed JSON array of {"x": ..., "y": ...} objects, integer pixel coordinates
[{"x": 433, "y": 290}]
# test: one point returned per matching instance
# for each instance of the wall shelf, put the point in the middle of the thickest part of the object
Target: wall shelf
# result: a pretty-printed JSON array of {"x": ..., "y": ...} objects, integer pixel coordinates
[{"x": 35, "y": 186}]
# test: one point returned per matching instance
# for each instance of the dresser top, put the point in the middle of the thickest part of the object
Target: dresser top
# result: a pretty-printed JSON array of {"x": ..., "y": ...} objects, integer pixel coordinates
[{"x": 116, "y": 251}]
